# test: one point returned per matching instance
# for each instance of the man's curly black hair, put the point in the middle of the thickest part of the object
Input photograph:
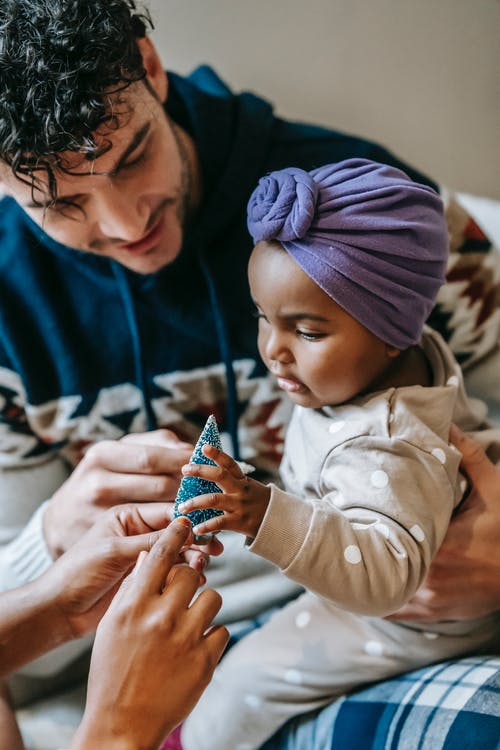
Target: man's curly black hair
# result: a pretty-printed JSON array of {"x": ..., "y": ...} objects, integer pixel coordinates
[{"x": 59, "y": 62}]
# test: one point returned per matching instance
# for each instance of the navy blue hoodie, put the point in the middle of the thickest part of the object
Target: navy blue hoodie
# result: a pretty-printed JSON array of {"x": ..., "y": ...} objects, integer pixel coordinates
[{"x": 90, "y": 350}]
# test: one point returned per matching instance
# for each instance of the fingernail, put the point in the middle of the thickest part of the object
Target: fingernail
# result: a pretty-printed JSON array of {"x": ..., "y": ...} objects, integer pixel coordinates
[
  {"x": 140, "y": 559},
  {"x": 184, "y": 521}
]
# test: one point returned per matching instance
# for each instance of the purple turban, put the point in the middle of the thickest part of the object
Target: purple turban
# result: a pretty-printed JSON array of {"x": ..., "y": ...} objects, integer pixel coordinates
[{"x": 375, "y": 241}]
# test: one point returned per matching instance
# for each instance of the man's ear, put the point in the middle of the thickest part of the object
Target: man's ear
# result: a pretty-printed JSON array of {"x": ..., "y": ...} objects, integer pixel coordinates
[{"x": 155, "y": 74}]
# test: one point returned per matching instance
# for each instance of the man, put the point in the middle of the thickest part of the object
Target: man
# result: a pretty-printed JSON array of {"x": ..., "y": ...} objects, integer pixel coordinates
[{"x": 123, "y": 298}]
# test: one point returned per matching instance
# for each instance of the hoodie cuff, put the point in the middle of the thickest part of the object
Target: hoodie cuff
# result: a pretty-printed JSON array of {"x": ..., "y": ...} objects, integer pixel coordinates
[{"x": 27, "y": 556}]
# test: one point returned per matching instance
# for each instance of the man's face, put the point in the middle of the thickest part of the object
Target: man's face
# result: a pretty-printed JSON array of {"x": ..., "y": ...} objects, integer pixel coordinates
[{"x": 131, "y": 202}]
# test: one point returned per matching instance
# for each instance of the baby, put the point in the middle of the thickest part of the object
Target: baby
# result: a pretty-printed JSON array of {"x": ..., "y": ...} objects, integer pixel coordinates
[{"x": 347, "y": 264}]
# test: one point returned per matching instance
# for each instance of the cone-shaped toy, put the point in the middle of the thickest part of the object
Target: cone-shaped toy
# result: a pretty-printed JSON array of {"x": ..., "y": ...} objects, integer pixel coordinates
[{"x": 194, "y": 486}]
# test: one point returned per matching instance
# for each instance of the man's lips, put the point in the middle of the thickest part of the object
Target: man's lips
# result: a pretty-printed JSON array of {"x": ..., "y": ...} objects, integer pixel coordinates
[{"x": 149, "y": 240}]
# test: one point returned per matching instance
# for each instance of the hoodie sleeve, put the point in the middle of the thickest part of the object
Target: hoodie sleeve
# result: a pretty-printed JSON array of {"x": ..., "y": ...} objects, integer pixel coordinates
[
  {"x": 29, "y": 473},
  {"x": 366, "y": 543}
]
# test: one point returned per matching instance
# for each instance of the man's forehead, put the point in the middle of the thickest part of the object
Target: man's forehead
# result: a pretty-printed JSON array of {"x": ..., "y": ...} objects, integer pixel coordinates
[
  {"x": 131, "y": 113},
  {"x": 110, "y": 140},
  {"x": 71, "y": 169}
]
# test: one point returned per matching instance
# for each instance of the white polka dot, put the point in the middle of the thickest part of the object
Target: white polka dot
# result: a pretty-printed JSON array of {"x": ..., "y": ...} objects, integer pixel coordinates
[
  {"x": 430, "y": 636},
  {"x": 293, "y": 676},
  {"x": 452, "y": 380},
  {"x": 303, "y": 619},
  {"x": 253, "y": 700},
  {"x": 352, "y": 554},
  {"x": 336, "y": 426},
  {"x": 417, "y": 533},
  {"x": 440, "y": 455},
  {"x": 374, "y": 648},
  {"x": 379, "y": 479},
  {"x": 383, "y": 529}
]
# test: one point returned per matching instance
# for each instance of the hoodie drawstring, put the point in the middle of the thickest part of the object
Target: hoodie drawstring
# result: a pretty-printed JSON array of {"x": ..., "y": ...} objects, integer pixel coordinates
[
  {"x": 222, "y": 337},
  {"x": 225, "y": 350},
  {"x": 128, "y": 304}
]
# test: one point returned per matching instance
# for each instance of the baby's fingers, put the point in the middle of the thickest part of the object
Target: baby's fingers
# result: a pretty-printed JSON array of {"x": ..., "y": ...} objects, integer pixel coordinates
[
  {"x": 216, "y": 474},
  {"x": 201, "y": 502},
  {"x": 213, "y": 526},
  {"x": 223, "y": 460}
]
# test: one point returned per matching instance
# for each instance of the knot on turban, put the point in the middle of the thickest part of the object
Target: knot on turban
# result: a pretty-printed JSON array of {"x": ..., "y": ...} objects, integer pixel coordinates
[
  {"x": 283, "y": 205},
  {"x": 375, "y": 241}
]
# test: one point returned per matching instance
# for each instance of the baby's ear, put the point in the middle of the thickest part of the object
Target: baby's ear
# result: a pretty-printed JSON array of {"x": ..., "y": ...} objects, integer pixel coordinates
[{"x": 391, "y": 351}]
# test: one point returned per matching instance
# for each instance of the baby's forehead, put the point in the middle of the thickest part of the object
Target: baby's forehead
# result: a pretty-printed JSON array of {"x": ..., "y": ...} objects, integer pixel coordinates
[{"x": 277, "y": 279}]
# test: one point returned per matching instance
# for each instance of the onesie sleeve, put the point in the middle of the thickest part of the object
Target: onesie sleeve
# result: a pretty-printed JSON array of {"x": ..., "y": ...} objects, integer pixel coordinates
[{"x": 367, "y": 541}]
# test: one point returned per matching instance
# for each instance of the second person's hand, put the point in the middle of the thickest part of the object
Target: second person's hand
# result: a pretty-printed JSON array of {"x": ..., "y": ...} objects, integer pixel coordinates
[
  {"x": 154, "y": 652},
  {"x": 463, "y": 581}
]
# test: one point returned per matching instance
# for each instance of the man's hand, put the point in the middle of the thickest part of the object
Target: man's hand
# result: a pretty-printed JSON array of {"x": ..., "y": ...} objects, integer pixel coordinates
[
  {"x": 154, "y": 651},
  {"x": 464, "y": 579},
  {"x": 141, "y": 467}
]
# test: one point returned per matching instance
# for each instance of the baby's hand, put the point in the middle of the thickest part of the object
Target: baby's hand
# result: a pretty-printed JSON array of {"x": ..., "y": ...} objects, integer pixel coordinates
[{"x": 243, "y": 500}]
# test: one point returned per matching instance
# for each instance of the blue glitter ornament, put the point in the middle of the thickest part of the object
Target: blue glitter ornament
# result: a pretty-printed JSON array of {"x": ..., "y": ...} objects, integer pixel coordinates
[{"x": 194, "y": 486}]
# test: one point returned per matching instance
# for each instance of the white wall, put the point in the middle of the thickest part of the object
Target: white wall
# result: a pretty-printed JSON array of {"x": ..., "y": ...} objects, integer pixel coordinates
[{"x": 420, "y": 76}]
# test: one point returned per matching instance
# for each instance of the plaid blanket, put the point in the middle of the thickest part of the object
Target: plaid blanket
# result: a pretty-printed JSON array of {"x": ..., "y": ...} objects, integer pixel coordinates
[{"x": 455, "y": 704}]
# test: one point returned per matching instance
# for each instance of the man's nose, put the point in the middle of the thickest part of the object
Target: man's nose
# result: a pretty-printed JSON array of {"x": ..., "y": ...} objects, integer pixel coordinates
[{"x": 121, "y": 216}]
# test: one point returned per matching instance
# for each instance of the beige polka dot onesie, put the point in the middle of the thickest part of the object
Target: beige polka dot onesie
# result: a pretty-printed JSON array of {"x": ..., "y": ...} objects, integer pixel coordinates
[{"x": 370, "y": 488}]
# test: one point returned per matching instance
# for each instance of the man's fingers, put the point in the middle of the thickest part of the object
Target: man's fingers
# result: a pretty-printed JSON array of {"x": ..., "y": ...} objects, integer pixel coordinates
[
  {"x": 140, "y": 559},
  {"x": 141, "y": 458},
  {"x": 162, "y": 556},
  {"x": 165, "y": 438},
  {"x": 114, "y": 488}
]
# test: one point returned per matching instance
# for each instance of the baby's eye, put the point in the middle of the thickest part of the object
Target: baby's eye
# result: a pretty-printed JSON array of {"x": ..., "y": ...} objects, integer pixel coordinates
[{"x": 309, "y": 336}]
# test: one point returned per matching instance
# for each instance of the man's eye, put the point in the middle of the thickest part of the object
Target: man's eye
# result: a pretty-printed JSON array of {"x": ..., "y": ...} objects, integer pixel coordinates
[
  {"x": 135, "y": 162},
  {"x": 60, "y": 210}
]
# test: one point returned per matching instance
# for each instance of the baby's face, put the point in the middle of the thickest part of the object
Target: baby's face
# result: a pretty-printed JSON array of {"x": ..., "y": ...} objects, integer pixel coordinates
[{"x": 319, "y": 353}]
